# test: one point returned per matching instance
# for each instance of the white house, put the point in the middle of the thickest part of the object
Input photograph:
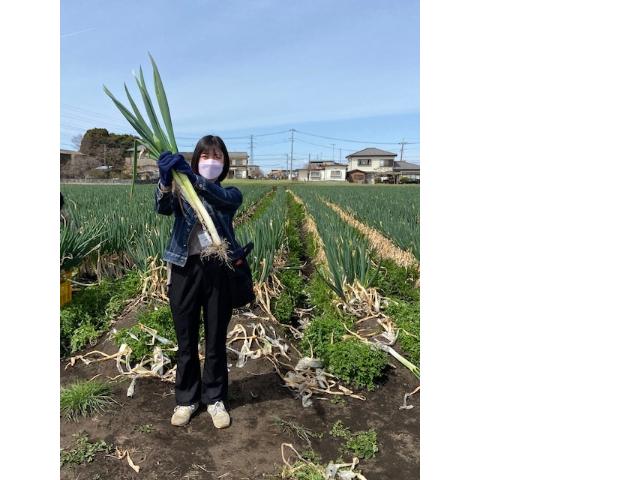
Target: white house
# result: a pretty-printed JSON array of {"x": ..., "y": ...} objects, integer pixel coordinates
[
  {"x": 365, "y": 166},
  {"x": 239, "y": 165},
  {"x": 323, "y": 170}
]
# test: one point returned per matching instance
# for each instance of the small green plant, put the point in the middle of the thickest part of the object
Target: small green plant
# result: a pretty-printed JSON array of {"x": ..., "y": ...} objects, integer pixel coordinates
[
  {"x": 311, "y": 455},
  {"x": 83, "y": 451},
  {"x": 361, "y": 444},
  {"x": 146, "y": 428},
  {"x": 356, "y": 363},
  {"x": 340, "y": 430},
  {"x": 71, "y": 318},
  {"x": 85, "y": 398},
  {"x": 85, "y": 334},
  {"x": 338, "y": 400}
]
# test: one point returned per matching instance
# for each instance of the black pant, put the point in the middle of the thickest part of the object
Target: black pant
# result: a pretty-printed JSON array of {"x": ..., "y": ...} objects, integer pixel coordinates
[{"x": 200, "y": 285}]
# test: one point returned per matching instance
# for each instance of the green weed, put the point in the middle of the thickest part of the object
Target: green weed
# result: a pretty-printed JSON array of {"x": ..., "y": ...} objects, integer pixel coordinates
[
  {"x": 361, "y": 444},
  {"x": 356, "y": 363},
  {"x": 83, "y": 451},
  {"x": 85, "y": 398}
]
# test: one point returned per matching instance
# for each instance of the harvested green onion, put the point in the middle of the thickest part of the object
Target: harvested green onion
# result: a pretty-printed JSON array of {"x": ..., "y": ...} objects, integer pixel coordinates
[{"x": 156, "y": 140}]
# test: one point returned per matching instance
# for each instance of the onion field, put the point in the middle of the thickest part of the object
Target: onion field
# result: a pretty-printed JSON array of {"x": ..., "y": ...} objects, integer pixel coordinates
[{"x": 324, "y": 366}]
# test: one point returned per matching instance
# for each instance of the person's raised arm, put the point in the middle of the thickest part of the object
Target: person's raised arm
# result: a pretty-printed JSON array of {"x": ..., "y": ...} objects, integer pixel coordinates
[
  {"x": 164, "y": 199},
  {"x": 164, "y": 194}
]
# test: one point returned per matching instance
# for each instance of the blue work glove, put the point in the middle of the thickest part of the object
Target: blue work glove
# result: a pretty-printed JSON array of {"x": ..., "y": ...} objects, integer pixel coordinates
[
  {"x": 168, "y": 161},
  {"x": 183, "y": 167}
]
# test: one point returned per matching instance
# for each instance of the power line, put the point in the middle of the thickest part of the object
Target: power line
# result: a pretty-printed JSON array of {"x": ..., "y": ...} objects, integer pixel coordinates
[
  {"x": 352, "y": 141},
  {"x": 274, "y": 133},
  {"x": 89, "y": 116},
  {"x": 271, "y": 143},
  {"x": 315, "y": 144}
]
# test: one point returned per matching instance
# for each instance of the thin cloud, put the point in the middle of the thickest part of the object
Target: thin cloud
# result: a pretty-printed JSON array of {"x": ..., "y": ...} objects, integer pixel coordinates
[{"x": 76, "y": 33}]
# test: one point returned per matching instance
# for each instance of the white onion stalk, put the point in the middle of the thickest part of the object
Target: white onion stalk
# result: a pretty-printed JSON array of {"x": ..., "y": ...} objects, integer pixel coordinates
[
  {"x": 219, "y": 246},
  {"x": 156, "y": 141}
]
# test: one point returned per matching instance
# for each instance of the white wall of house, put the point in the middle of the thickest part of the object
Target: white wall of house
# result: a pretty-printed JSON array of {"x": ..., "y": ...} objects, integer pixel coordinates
[
  {"x": 376, "y": 164},
  {"x": 336, "y": 174}
]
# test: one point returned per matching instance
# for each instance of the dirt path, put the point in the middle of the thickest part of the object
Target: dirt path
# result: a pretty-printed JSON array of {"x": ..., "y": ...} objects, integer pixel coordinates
[{"x": 250, "y": 447}]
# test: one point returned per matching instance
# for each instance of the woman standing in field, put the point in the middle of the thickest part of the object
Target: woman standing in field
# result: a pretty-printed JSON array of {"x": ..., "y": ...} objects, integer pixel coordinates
[{"x": 195, "y": 284}]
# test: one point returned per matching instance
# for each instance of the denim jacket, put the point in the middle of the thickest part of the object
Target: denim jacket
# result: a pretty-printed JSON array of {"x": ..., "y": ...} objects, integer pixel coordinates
[{"x": 220, "y": 202}]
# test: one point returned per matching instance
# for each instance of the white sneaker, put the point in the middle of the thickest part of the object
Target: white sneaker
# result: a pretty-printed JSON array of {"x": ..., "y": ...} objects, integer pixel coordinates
[
  {"x": 182, "y": 414},
  {"x": 219, "y": 414}
]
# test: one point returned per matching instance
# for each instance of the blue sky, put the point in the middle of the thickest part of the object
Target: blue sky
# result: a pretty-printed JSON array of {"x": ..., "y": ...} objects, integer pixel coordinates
[{"x": 347, "y": 69}]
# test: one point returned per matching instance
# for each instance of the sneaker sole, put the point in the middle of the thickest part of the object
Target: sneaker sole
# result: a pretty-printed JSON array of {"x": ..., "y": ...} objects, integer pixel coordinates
[
  {"x": 180, "y": 424},
  {"x": 223, "y": 425}
]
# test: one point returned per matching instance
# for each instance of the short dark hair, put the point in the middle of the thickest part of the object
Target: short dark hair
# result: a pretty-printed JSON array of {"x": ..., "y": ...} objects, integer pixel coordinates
[{"x": 207, "y": 143}]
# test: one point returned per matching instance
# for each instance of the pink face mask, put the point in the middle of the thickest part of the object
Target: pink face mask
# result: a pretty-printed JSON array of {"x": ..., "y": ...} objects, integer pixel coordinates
[{"x": 210, "y": 168}]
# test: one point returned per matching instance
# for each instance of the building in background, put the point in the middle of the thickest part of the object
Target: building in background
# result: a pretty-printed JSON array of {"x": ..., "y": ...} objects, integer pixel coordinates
[
  {"x": 370, "y": 165},
  {"x": 322, "y": 171},
  {"x": 405, "y": 172},
  {"x": 75, "y": 164},
  {"x": 239, "y": 165},
  {"x": 278, "y": 174},
  {"x": 147, "y": 167}
]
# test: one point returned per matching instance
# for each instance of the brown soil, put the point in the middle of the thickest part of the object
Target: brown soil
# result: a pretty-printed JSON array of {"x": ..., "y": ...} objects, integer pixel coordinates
[{"x": 251, "y": 447}]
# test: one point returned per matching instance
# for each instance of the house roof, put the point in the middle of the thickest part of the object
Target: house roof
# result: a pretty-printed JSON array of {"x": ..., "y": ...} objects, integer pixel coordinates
[
  {"x": 402, "y": 165},
  {"x": 371, "y": 152},
  {"x": 317, "y": 165}
]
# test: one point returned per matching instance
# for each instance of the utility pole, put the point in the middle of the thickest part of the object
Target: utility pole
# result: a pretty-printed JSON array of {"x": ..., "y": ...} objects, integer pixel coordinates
[
  {"x": 287, "y": 167},
  {"x": 401, "y": 156},
  {"x": 291, "y": 164},
  {"x": 402, "y": 148},
  {"x": 340, "y": 150},
  {"x": 333, "y": 151},
  {"x": 251, "y": 157}
]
